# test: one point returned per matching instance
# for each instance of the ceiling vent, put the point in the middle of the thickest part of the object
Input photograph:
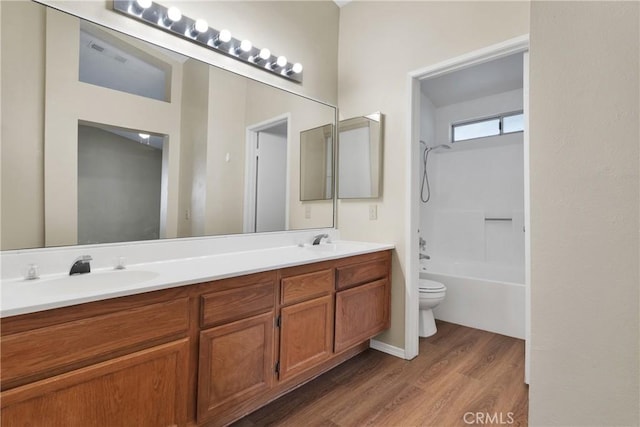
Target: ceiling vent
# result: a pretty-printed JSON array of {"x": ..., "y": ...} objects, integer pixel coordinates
[{"x": 96, "y": 47}]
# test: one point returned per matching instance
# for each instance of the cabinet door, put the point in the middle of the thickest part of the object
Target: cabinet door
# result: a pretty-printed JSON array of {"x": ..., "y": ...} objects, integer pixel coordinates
[
  {"x": 361, "y": 313},
  {"x": 147, "y": 388},
  {"x": 236, "y": 363},
  {"x": 306, "y": 334}
]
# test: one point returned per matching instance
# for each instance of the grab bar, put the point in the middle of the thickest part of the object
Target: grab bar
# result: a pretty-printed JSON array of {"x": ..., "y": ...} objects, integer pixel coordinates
[{"x": 498, "y": 219}]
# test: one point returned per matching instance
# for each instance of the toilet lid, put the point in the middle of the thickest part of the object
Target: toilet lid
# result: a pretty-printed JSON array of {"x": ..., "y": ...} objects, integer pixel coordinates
[{"x": 426, "y": 285}]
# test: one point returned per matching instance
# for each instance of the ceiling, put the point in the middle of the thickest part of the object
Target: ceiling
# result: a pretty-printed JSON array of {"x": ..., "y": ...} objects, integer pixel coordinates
[
  {"x": 104, "y": 64},
  {"x": 341, "y": 3},
  {"x": 489, "y": 78}
]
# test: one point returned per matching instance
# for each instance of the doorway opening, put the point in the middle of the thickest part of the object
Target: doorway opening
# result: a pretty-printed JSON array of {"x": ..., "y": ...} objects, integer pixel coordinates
[
  {"x": 266, "y": 206},
  {"x": 474, "y": 93}
]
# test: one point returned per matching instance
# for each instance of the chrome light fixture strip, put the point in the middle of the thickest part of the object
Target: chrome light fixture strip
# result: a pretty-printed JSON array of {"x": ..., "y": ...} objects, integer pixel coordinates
[{"x": 157, "y": 16}]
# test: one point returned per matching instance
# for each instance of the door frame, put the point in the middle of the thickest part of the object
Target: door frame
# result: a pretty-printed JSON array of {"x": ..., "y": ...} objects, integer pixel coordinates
[
  {"x": 516, "y": 45},
  {"x": 249, "y": 210}
]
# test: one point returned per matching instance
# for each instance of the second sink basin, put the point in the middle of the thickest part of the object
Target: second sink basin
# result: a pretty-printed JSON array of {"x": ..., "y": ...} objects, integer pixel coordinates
[
  {"x": 91, "y": 281},
  {"x": 335, "y": 247}
]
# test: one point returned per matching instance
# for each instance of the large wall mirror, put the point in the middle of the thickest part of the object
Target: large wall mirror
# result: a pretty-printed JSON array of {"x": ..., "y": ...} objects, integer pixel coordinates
[{"x": 108, "y": 138}]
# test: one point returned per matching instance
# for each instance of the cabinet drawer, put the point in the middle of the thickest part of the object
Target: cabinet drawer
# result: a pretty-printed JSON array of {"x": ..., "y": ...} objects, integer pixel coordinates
[
  {"x": 355, "y": 274},
  {"x": 59, "y": 348},
  {"x": 306, "y": 286},
  {"x": 233, "y": 304},
  {"x": 144, "y": 389}
]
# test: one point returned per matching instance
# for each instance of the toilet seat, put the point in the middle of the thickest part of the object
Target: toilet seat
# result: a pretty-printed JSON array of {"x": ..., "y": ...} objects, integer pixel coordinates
[{"x": 430, "y": 286}]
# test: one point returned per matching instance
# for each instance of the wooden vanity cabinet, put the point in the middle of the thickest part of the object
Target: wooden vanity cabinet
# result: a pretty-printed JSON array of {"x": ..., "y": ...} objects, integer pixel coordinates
[
  {"x": 363, "y": 298},
  {"x": 205, "y": 354},
  {"x": 117, "y": 362},
  {"x": 236, "y": 356},
  {"x": 306, "y": 318}
]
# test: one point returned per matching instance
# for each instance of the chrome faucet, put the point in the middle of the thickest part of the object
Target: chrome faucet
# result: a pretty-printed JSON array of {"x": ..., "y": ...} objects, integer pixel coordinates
[
  {"x": 423, "y": 256},
  {"x": 81, "y": 265},
  {"x": 317, "y": 239}
]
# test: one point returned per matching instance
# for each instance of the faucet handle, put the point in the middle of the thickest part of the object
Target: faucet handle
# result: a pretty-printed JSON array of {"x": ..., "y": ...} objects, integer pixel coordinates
[
  {"x": 318, "y": 238},
  {"x": 81, "y": 265}
]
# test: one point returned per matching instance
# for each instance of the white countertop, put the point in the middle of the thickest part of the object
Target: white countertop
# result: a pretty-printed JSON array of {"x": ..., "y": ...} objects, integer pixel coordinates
[{"x": 20, "y": 296}]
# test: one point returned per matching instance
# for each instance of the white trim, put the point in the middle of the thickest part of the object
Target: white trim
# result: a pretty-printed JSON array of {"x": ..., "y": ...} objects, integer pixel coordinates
[
  {"x": 527, "y": 223},
  {"x": 486, "y": 54},
  {"x": 411, "y": 311},
  {"x": 249, "y": 210},
  {"x": 387, "y": 348}
]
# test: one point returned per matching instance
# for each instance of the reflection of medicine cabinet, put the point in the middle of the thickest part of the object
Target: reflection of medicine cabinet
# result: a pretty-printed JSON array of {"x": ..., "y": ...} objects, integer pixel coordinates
[
  {"x": 360, "y": 157},
  {"x": 316, "y": 163}
]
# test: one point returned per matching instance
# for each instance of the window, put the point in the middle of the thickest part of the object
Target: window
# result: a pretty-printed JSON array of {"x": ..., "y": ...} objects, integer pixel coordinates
[{"x": 492, "y": 126}]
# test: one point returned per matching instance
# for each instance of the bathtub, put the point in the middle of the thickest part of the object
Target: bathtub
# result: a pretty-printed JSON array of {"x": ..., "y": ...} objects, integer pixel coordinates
[{"x": 480, "y": 295}]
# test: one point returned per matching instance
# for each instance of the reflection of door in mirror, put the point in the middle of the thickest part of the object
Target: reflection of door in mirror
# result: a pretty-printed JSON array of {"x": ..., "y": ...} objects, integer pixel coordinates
[
  {"x": 266, "y": 177},
  {"x": 316, "y": 163},
  {"x": 360, "y": 157},
  {"x": 119, "y": 184}
]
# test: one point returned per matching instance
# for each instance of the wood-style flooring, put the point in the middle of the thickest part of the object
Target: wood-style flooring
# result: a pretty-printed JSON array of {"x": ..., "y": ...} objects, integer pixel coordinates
[{"x": 462, "y": 377}]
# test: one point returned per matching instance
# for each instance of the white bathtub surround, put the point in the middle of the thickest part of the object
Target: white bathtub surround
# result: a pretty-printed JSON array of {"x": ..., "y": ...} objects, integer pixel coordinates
[
  {"x": 492, "y": 299},
  {"x": 474, "y": 223},
  {"x": 20, "y": 296},
  {"x": 476, "y": 213}
]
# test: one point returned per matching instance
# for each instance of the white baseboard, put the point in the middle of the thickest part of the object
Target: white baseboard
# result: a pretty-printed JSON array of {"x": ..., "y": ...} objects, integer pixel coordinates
[{"x": 387, "y": 348}]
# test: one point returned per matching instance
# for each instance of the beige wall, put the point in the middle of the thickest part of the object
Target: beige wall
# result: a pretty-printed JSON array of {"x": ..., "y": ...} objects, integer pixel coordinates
[
  {"x": 227, "y": 134},
  {"x": 380, "y": 43},
  {"x": 584, "y": 213},
  {"x": 22, "y": 138},
  {"x": 193, "y": 145}
]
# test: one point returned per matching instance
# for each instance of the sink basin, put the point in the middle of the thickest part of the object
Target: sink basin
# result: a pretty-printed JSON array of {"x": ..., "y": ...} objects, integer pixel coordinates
[
  {"x": 335, "y": 247},
  {"x": 92, "y": 281}
]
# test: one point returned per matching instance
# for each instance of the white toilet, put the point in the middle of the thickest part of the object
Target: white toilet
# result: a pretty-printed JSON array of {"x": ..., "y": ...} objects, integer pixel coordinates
[{"x": 432, "y": 293}]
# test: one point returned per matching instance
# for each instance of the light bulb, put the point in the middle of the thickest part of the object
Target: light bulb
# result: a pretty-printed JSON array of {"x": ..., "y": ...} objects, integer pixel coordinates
[
  {"x": 201, "y": 26},
  {"x": 224, "y": 36},
  {"x": 281, "y": 61},
  {"x": 246, "y": 45},
  {"x": 265, "y": 53},
  {"x": 143, "y": 3},
  {"x": 174, "y": 14},
  {"x": 144, "y": 135},
  {"x": 297, "y": 68}
]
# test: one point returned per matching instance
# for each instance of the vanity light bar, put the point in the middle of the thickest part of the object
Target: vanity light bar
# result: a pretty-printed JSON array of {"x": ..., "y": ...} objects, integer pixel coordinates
[{"x": 198, "y": 31}]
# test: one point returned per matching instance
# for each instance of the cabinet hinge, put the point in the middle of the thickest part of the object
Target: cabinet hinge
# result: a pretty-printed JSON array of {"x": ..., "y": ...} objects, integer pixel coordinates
[
  {"x": 278, "y": 321},
  {"x": 277, "y": 367}
]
